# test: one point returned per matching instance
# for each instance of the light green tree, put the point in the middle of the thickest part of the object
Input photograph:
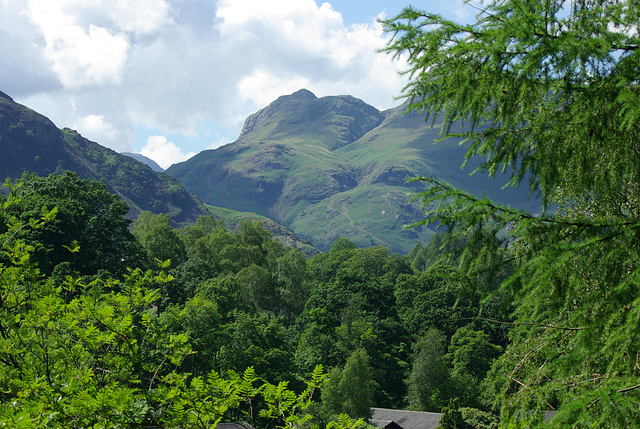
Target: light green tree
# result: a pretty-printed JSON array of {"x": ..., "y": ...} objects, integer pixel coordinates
[
  {"x": 159, "y": 239},
  {"x": 429, "y": 382},
  {"x": 349, "y": 390},
  {"x": 546, "y": 91}
]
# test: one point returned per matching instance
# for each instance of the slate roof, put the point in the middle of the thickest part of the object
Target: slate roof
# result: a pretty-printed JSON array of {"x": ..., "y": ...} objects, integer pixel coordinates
[
  {"x": 236, "y": 425},
  {"x": 382, "y": 417}
]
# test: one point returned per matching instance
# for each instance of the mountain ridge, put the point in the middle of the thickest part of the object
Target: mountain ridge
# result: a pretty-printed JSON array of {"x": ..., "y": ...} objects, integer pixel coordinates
[
  {"x": 334, "y": 166},
  {"x": 30, "y": 142}
]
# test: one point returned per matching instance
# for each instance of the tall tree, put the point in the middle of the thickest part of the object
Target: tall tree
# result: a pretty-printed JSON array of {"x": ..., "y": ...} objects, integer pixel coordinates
[
  {"x": 88, "y": 217},
  {"x": 350, "y": 390},
  {"x": 158, "y": 238},
  {"x": 428, "y": 383},
  {"x": 471, "y": 354},
  {"x": 548, "y": 91}
]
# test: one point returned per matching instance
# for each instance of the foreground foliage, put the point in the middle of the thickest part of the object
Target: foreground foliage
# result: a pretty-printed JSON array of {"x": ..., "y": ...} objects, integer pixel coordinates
[
  {"x": 76, "y": 353},
  {"x": 550, "y": 89}
]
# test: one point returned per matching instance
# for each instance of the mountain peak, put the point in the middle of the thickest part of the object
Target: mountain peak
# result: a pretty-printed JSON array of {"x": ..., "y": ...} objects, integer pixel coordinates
[
  {"x": 264, "y": 116},
  {"x": 302, "y": 94},
  {"x": 143, "y": 159},
  {"x": 332, "y": 121}
]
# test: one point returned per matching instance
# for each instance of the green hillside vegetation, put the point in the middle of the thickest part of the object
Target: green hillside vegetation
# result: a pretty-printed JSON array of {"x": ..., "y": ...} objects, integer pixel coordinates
[
  {"x": 32, "y": 143},
  {"x": 334, "y": 167},
  {"x": 233, "y": 218},
  {"x": 191, "y": 326}
]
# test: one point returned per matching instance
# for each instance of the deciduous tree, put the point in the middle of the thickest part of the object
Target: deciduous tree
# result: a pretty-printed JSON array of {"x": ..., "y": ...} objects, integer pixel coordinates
[
  {"x": 88, "y": 217},
  {"x": 159, "y": 239},
  {"x": 349, "y": 390}
]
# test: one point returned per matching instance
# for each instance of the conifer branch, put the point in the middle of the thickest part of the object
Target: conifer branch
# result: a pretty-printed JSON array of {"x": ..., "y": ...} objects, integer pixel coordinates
[
  {"x": 540, "y": 325},
  {"x": 625, "y": 390},
  {"x": 529, "y": 388}
]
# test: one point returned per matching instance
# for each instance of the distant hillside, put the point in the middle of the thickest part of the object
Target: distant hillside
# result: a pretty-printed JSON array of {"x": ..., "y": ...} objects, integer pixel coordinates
[
  {"x": 143, "y": 159},
  {"x": 334, "y": 167},
  {"x": 31, "y": 142}
]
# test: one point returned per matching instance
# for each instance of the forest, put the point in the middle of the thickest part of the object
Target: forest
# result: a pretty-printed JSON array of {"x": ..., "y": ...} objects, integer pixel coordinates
[{"x": 116, "y": 323}]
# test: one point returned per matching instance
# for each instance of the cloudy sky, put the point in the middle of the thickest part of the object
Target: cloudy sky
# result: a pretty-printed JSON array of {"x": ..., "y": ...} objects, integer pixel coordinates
[{"x": 170, "y": 78}]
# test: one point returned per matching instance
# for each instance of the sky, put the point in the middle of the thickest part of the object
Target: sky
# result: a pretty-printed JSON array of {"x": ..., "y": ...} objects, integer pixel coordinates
[{"x": 171, "y": 78}]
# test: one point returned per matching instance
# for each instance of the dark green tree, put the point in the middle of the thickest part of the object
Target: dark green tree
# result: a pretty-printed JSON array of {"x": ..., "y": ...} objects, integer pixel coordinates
[
  {"x": 228, "y": 293},
  {"x": 256, "y": 340},
  {"x": 88, "y": 217},
  {"x": 355, "y": 308},
  {"x": 188, "y": 277},
  {"x": 547, "y": 91},
  {"x": 433, "y": 299},
  {"x": 471, "y": 355}
]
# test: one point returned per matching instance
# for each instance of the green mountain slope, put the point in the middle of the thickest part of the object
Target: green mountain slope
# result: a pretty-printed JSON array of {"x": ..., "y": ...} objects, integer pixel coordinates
[
  {"x": 333, "y": 167},
  {"x": 31, "y": 142}
]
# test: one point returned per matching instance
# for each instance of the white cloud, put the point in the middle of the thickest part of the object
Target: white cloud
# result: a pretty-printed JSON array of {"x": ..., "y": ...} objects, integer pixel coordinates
[
  {"x": 219, "y": 141},
  {"x": 164, "y": 152},
  {"x": 96, "y": 128},
  {"x": 464, "y": 12},
  {"x": 290, "y": 44},
  {"x": 24, "y": 68},
  {"x": 88, "y": 42},
  {"x": 81, "y": 56},
  {"x": 168, "y": 65},
  {"x": 139, "y": 16},
  {"x": 262, "y": 87}
]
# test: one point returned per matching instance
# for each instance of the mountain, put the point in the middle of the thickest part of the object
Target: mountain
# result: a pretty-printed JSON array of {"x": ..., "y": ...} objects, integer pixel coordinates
[
  {"x": 335, "y": 167},
  {"x": 143, "y": 159},
  {"x": 31, "y": 142}
]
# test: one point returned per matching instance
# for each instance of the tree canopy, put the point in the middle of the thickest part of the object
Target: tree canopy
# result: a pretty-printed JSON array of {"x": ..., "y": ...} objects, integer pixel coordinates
[
  {"x": 181, "y": 344},
  {"x": 87, "y": 217},
  {"x": 548, "y": 92},
  {"x": 93, "y": 352}
]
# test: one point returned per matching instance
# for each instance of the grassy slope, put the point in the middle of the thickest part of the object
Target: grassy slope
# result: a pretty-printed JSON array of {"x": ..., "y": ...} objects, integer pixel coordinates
[
  {"x": 325, "y": 169},
  {"x": 407, "y": 143}
]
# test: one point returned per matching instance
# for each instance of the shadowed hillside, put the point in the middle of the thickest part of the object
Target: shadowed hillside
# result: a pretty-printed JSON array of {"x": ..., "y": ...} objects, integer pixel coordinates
[{"x": 31, "y": 142}]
